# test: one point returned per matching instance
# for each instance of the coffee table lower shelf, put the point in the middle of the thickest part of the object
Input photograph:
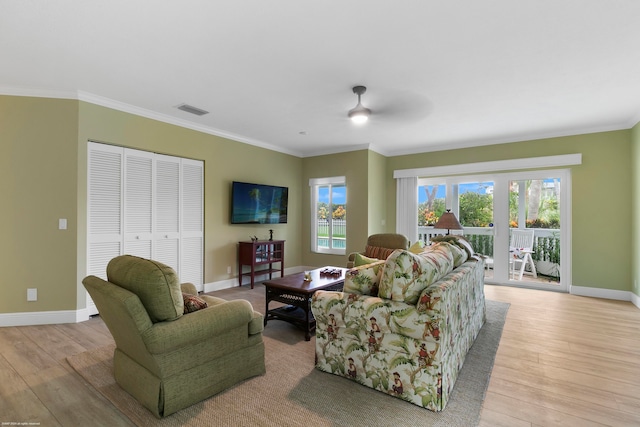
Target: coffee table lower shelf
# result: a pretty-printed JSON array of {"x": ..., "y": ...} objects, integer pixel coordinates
[
  {"x": 296, "y": 294},
  {"x": 296, "y": 316}
]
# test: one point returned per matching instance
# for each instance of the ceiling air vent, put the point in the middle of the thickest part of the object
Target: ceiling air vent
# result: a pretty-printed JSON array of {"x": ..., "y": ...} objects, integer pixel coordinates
[{"x": 191, "y": 109}]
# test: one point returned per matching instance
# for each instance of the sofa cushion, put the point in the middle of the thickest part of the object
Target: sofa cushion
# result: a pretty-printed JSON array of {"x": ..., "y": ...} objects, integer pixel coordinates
[
  {"x": 154, "y": 283},
  {"x": 459, "y": 254},
  {"x": 377, "y": 252},
  {"x": 406, "y": 274},
  {"x": 457, "y": 240}
]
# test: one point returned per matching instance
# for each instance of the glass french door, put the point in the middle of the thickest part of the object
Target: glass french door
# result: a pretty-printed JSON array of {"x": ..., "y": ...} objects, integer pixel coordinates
[
  {"x": 531, "y": 230},
  {"x": 517, "y": 221}
]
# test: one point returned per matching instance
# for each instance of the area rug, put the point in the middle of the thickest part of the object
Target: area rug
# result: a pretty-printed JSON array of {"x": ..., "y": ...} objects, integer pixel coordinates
[{"x": 293, "y": 393}]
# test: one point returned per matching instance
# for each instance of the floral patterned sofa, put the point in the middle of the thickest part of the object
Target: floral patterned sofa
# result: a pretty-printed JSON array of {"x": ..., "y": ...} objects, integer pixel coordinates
[{"x": 403, "y": 326}]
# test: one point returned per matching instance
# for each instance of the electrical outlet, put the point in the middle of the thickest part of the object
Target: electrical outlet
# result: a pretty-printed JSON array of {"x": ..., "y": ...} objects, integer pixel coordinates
[
  {"x": 228, "y": 269},
  {"x": 32, "y": 294}
]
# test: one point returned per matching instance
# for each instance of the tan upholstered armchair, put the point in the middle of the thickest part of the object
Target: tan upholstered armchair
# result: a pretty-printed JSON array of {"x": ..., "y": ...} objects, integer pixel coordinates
[
  {"x": 164, "y": 358},
  {"x": 380, "y": 246}
]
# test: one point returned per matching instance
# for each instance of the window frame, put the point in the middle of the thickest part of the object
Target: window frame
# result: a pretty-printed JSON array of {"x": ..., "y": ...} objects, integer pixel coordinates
[{"x": 314, "y": 185}]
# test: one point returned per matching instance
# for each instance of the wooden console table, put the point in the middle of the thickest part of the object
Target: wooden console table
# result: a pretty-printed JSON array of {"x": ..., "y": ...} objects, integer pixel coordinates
[{"x": 258, "y": 253}]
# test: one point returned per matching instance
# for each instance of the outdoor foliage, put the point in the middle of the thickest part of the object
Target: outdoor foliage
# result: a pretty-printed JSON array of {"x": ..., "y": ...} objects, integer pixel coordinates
[
  {"x": 339, "y": 212},
  {"x": 428, "y": 216},
  {"x": 476, "y": 210}
]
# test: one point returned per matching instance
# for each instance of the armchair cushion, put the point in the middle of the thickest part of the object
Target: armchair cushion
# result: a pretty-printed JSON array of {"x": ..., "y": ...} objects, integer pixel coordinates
[
  {"x": 406, "y": 275},
  {"x": 156, "y": 285},
  {"x": 198, "y": 326}
]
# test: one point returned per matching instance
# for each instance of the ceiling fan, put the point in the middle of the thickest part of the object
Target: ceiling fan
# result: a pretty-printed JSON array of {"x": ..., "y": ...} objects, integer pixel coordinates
[
  {"x": 405, "y": 105},
  {"x": 359, "y": 114}
]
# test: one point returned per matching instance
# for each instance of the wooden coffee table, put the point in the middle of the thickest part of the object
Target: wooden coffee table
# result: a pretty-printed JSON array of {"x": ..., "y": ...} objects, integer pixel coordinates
[{"x": 296, "y": 293}]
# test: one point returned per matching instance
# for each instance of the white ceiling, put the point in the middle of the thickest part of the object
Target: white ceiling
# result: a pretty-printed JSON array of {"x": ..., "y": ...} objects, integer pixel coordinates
[{"x": 439, "y": 74}]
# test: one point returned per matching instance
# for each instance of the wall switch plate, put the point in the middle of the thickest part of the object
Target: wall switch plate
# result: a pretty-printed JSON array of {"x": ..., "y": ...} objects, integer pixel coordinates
[
  {"x": 32, "y": 294},
  {"x": 62, "y": 224}
]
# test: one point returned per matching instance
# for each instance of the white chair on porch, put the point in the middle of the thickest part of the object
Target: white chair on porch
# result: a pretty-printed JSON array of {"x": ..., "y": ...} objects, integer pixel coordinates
[{"x": 520, "y": 250}]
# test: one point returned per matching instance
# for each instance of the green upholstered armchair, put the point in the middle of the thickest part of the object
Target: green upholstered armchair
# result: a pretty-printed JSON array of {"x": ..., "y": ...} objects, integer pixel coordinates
[
  {"x": 380, "y": 246},
  {"x": 164, "y": 358}
]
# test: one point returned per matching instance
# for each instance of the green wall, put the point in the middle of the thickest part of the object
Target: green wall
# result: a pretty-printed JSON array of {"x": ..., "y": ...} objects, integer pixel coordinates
[
  {"x": 43, "y": 178},
  {"x": 43, "y": 154},
  {"x": 635, "y": 209},
  {"x": 353, "y": 166},
  {"x": 601, "y": 186},
  {"x": 378, "y": 200},
  {"x": 38, "y": 176}
]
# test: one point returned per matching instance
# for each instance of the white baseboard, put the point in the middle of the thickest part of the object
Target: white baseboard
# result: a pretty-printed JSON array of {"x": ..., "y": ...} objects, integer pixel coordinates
[
  {"x": 230, "y": 283},
  {"x": 43, "y": 317},
  {"x": 606, "y": 294},
  {"x": 635, "y": 299}
]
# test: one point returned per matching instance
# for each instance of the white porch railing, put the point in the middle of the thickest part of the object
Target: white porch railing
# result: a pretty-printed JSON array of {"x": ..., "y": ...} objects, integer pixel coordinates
[{"x": 546, "y": 244}]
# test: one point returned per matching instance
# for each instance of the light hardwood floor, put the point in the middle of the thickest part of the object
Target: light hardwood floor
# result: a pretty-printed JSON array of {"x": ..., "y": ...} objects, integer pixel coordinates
[{"x": 563, "y": 360}]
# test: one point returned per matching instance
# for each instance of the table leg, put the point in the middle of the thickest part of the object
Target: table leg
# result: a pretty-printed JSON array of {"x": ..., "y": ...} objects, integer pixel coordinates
[
  {"x": 307, "y": 332},
  {"x": 266, "y": 309}
]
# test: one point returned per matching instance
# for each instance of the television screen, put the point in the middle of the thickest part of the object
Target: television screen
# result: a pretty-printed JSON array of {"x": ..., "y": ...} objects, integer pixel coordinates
[{"x": 258, "y": 203}]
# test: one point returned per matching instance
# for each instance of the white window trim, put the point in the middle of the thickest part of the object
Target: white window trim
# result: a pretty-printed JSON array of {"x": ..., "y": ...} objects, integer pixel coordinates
[
  {"x": 490, "y": 167},
  {"x": 313, "y": 183}
]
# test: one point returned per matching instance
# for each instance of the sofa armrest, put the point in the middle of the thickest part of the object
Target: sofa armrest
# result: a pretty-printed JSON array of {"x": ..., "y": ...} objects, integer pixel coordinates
[{"x": 198, "y": 326}]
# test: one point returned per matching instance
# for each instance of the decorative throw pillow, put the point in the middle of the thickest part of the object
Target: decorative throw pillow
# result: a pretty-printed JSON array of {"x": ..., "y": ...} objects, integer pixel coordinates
[
  {"x": 416, "y": 248},
  {"x": 459, "y": 254},
  {"x": 363, "y": 260},
  {"x": 377, "y": 252},
  {"x": 457, "y": 240},
  {"x": 406, "y": 274},
  {"x": 364, "y": 280},
  {"x": 193, "y": 303}
]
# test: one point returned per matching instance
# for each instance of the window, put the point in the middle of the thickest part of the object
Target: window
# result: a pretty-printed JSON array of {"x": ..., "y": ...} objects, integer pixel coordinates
[{"x": 328, "y": 215}]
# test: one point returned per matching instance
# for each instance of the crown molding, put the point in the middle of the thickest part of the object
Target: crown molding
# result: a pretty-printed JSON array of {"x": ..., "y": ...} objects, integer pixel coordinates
[{"x": 138, "y": 111}]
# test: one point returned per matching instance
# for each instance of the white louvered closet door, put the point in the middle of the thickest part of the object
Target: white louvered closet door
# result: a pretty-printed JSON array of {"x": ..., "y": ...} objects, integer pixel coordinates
[
  {"x": 192, "y": 219},
  {"x": 138, "y": 202},
  {"x": 104, "y": 199},
  {"x": 167, "y": 212},
  {"x": 144, "y": 204}
]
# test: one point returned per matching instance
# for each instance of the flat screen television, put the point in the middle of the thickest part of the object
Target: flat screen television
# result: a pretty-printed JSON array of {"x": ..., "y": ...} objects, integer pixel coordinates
[{"x": 258, "y": 203}]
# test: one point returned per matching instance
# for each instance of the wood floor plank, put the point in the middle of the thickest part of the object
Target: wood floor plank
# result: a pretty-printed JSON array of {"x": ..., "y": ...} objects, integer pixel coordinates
[
  {"x": 51, "y": 339},
  {"x": 563, "y": 360},
  {"x": 18, "y": 403},
  {"x": 550, "y": 385},
  {"x": 65, "y": 395},
  {"x": 86, "y": 334},
  {"x": 26, "y": 357},
  {"x": 566, "y": 356},
  {"x": 497, "y": 419},
  {"x": 573, "y": 405},
  {"x": 533, "y": 413}
]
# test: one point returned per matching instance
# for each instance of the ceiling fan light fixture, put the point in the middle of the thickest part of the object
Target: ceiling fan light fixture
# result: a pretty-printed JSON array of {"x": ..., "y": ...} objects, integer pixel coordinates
[{"x": 359, "y": 114}]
